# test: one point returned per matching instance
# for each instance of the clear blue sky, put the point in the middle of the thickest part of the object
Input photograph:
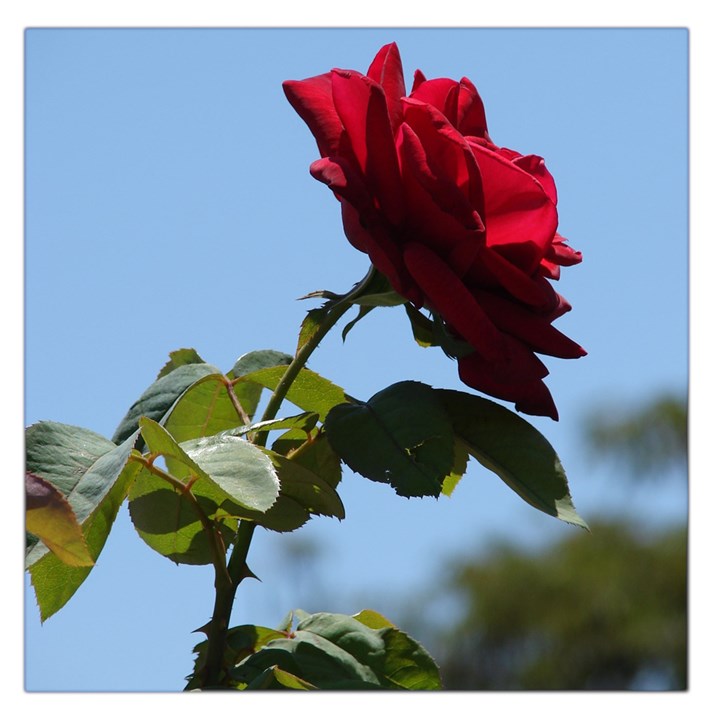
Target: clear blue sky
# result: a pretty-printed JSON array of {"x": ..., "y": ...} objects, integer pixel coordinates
[{"x": 169, "y": 204}]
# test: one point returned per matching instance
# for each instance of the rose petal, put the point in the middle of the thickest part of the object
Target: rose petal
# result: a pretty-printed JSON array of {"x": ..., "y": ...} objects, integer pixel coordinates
[
  {"x": 520, "y": 217},
  {"x": 534, "y": 330},
  {"x": 531, "y": 396},
  {"x": 362, "y": 108},
  {"x": 448, "y": 296},
  {"x": 312, "y": 100},
  {"x": 386, "y": 70}
]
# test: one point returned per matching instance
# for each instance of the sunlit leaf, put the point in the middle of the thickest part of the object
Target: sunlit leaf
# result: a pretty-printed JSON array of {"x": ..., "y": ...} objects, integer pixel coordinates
[
  {"x": 458, "y": 470},
  {"x": 363, "y": 311},
  {"x": 49, "y": 516},
  {"x": 312, "y": 323},
  {"x": 309, "y": 391},
  {"x": 161, "y": 396},
  {"x": 95, "y": 499},
  {"x": 184, "y": 356},
  {"x": 211, "y": 404},
  {"x": 167, "y": 519},
  {"x": 222, "y": 466}
]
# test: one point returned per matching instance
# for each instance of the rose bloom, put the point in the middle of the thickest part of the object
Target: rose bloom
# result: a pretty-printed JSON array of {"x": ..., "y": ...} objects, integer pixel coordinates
[{"x": 458, "y": 225}]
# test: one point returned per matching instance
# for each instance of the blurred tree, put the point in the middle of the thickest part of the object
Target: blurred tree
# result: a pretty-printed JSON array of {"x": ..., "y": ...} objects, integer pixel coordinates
[
  {"x": 605, "y": 610},
  {"x": 648, "y": 440},
  {"x": 599, "y": 611}
]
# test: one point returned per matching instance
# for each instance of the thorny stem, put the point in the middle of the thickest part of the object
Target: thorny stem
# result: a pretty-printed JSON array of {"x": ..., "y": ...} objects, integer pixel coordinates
[{"x": 237, "y": 568}]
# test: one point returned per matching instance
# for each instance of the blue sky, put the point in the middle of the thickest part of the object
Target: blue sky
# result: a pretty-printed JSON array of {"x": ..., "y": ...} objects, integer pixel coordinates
[{"x": 169, "y": 204}]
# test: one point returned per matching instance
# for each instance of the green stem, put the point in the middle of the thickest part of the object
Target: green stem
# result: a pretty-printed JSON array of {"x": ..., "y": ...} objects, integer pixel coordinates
[{"x": 237, "y": 568}]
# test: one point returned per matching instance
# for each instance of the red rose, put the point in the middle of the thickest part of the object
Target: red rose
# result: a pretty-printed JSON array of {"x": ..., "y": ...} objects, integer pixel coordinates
[{"x": 457, "y": 224}]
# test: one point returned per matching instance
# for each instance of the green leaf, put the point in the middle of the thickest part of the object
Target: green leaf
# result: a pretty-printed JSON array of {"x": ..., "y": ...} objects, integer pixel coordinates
[
  {"x": 259, "y": 360},
  {"x": 240, "y": 642},
  {"x": 396, "y": 659},
  {"x": 95, "y": 500},
  {"x": 184, "y": 356},
  {"x": 422, "y": 327},
  {"x": 49, "y": 517},
  {"x": 302, "y": 494},
  {"x": 290, "y": 681},
  {"x": 401, "y": 436},
  {"x": 308, "y": 656},
  {"x": 372, "y": 619},
  {"x": 514, "y": 450},
  {"x": 314, "y": 454},
  {"x": 168, "y": 521},
  {"x": 379, "y": 293},
  {"x": 311, "y": 324},
  {"x": 332, "y": 651},
  {"x": 61, "y": 454},
  {"x": 309, "y": 391},
  {"x": 209, "y": 406},
  {"x": 458, "y": 470},
  {"x": 223, "y": 466},
  {"x": 308, "y": 488},
  {"x": 161, "y": 396},
  {"x": 228, "y": 477},
  {"x": 363, "y": 311}
]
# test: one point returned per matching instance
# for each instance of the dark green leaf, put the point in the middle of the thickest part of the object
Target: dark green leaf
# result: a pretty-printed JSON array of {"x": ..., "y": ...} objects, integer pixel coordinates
[
  {"x": 514, "y": 450},
  {"x": 397, "y": 660},
  {"x": 161, "y": 396},
  {"x": 332, "y": 651},
  {"x": 422, "y": 327},
  {"x": 378, "y": 292},
  {"x": 363, "y": 311},
  {"x": 240, "y": 642},
  {"x": 401, "y": 436}
]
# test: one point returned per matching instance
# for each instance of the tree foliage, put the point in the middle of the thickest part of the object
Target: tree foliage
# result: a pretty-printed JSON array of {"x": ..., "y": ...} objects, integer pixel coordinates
[
  {"x": 599, "y": 612},
  {"x": 647, "y": 439}
]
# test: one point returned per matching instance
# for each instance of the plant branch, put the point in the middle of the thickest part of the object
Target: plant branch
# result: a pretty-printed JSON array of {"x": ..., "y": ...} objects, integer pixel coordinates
[{"x": 237, "y": 568}]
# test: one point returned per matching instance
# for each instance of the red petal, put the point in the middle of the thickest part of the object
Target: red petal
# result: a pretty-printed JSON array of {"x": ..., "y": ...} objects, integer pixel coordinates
[
  {"x": 447, "y": 296},
  {"x": 520, "y": 217},
  {"x": 448, "y": 154},
  {"x": 530, "y": 396},
  {"x": 418, "y": 80},
  {"x": 361, "y": 106},
  {"x": 470, "y": 111},
  {"x": 386, "y": 70},
  {"x": 312, "y": 100},
  {"x": 533, "y": 330}
]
